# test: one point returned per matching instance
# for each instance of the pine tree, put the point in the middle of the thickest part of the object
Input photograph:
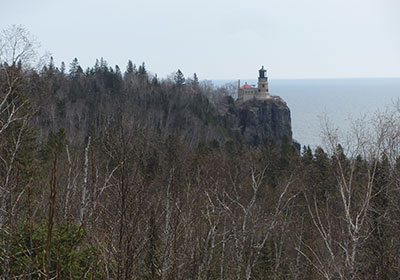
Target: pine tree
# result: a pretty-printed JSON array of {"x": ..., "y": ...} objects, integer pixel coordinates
[
  {"x": 51, "y": 67},
  {"x": 62, "y": 68},
  {"x": 179, "y": 78},
  {"x": 322, "y": 175},
  {"x": 307, "y": 156},
  {"x": 75, "y": 69},
  {"x": 117, "y": 70},
  {"x": 195, "y": 82},
  {"x": 129, "y": 67},
  {"x": 96, "y": 67},
  {"x": 288, "y": 155},
  {"x": 380, "y": 240},
  {"x": 142, "y": 70}
]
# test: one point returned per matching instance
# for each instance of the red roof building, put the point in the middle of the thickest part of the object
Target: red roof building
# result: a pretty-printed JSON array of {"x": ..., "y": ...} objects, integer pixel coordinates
[{"x": 246, "y": 85}]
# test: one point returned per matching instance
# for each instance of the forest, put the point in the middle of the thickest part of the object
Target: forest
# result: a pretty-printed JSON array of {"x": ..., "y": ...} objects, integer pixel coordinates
[{"x": 118, "y": 174}]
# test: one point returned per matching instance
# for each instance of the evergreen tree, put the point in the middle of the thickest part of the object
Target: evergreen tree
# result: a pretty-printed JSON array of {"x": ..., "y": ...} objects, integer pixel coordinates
[
  {"x": 288, "y": 155},
  {"x": 129, "y": 67},
  {"x": 154, "y": 80},
  {"x": 321, "y": 162},
  {"x": 195, "y": 82},
  {"x": 62, "y": 68},
  {"x": 379, "y": 242},
  {"x": 142, "y": 70},
  {"x": 103, "y": 65},
  {"x": 51, "y": 67},
  {"x": 117, "y": 70},
  {"x": 75, "y": 69},
  {"x": 56, "y": 142},
  {"x": 307, "y": 156},
  {"x": 179, "y": 78},
  {"x": 322, "y": 175},
  {"x": 270, "y": 158}
]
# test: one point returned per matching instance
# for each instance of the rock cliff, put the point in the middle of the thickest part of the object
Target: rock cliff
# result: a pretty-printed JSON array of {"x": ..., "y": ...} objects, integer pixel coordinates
[
  {"x": 256, "y": 120},
  {"x": 269, "y": 118}
]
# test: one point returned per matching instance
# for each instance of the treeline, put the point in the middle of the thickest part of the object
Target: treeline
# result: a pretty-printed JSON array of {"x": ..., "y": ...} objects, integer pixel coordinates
[
  {"x": 104, "y": 194},
  {"x": 87, "y": 101}
]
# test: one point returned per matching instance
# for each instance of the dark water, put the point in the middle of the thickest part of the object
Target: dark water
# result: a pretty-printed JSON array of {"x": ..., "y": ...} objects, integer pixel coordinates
[{"x": 340, "y": 100}]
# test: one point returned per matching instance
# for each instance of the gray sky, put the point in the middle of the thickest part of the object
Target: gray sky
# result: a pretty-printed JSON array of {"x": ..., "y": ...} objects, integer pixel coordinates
[{"x": 220, "y": 39}]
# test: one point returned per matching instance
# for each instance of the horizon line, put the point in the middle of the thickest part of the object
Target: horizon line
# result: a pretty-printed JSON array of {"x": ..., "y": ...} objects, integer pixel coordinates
[{"x": 307, "y": 78}]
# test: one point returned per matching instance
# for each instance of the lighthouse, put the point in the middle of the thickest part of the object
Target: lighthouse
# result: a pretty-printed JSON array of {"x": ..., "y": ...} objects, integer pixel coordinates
[{"x": 261, "y": 92}]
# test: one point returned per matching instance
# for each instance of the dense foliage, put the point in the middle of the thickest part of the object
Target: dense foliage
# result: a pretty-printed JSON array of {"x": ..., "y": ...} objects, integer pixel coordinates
[{"x": 87, "y": 102}]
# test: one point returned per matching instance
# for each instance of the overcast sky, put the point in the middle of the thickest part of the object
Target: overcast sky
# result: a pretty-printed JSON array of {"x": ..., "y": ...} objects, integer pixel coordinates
[{"x": 220, "y": 39}]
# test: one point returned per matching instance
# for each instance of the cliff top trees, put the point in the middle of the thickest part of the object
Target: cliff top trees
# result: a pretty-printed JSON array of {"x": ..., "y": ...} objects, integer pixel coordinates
[
  {"x": 130, "y": 68},
  {"x": 179, "y": 78},
  {"x": 75, "y": 69}
]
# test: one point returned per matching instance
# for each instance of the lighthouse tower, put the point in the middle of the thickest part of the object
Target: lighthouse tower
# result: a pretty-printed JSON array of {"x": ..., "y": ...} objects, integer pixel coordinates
[{"x": 263, "y": 91}]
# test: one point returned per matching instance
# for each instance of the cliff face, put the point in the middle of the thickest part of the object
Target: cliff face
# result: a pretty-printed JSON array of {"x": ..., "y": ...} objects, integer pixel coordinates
[
  {"x": 269, "y": 118},
  {"x": 257, "y": 120}
]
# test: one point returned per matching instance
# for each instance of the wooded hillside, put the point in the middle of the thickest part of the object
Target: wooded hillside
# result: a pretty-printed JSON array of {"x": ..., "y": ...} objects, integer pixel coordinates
[{"x": 107, "y": 174}]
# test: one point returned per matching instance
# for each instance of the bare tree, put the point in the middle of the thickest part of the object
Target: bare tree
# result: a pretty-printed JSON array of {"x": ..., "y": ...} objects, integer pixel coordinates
[
  {"x": 252, "y": 225},
  {"x": 85, "y": 183},
  {"x": 17, "y": 45},
  {"x": 15, "y": 114},
  {"x": 342, "y": 224}
]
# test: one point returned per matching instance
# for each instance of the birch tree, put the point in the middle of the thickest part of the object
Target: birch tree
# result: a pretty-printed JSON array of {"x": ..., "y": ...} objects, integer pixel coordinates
[{"x": 342, "y": 222}]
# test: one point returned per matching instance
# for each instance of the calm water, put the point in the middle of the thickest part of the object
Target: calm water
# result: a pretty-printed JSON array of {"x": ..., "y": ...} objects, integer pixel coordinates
[{"x": 340, "y": 100}]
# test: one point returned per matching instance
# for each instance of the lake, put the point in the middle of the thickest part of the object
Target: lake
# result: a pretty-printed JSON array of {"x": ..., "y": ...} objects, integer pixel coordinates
[{"x": 340, "y": 100}]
